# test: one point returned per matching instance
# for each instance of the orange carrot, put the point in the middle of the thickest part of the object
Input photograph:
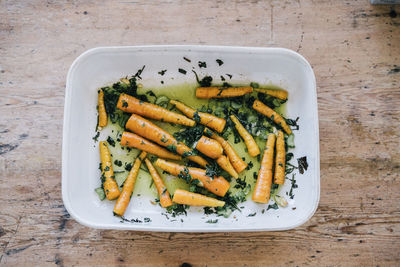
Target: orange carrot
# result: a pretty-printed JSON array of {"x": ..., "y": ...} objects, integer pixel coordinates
[
  {"x": 193, "y": 199},
  {"x": 102, "y": 111},
  {"x": 206, "y": 119},
  {"x": 280, "y": 157},
  {"x": 234, "y": 158},
  {"x": 131, "y": 104},
  {"x": 209, "y": 147},
  {"x": 129, "y": 185},
  {"x": 222, "y": 92},
  {"x": 262, "y": 188},
  {"x": 281, "y": 94},
  {"x": 225, "y": 164},
  {"x": 165, "y": 199},
  {"x": 270, "y": 113},
  {"x": 149, "y": 130},
  {"x": 251, "y": 145},
  {"x": 132, "y": 140},
  {"x": 109, "y": 184},
  {"x": 216, "y": 185}
]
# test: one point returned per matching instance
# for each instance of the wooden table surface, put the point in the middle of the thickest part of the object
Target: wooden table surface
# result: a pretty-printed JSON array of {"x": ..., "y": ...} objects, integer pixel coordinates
[{"x": 354, "y": 49}]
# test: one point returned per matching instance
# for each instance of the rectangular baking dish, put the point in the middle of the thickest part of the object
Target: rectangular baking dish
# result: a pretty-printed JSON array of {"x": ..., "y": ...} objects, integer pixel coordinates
[{"x": 104, "y": 65}]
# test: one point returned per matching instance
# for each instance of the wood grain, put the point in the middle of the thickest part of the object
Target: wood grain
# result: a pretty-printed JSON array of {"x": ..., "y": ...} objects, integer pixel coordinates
[{"x": 354, "y": 49}]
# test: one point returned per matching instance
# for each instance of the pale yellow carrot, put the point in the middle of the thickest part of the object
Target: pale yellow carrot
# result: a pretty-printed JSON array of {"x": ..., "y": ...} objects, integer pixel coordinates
[
  {"x": 165, "y": 199},
  {"x": 109, "y": 184},
  {"x": 225, "y": 164},
  {"x": 251, "y": 144},
  {"x": 102, "y": 111},
  {"x": 206, "y": 119},
  {"x": 132, "y": 140},
  {"x": 280, "y": 157},
  {"x": 216, "y": 185},
  {"x": 234, "y": 158},
  {"x": 129, "y": 184},
  {"x": 222, "y": 92},
  {"x": 149, "y": 130},
  {"x": 277, "y": 93},
  {"x": 270, "y": 113},
  {"x": 131, "y": 104},
  {"x": 262, "y": 189},
  {"x": 193, "y": 199}
]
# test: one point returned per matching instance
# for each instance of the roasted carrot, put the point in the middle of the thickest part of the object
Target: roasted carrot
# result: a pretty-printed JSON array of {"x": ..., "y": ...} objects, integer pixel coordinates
[
  {"x": 262, "y": 188},
  {"x": 280, "y": 157},
  {"x": 234, "y": 158},
  {"x": 133, "y": 140},
  {"x": 206, "y": 119},
  {"x": 129, "y": 185},
  {"x": 225, "y": 164},
  {"x": 209, "y": 147},
  {"x": 251, "y": 145},
  {"x": 270, "y": 113},
  {"x": 222, "y": 92},
  {"x": 216, "y": 185},
  {"x": 281, "y": 94},
  {"x": 149, "y": 130},
  {"x": 107, "y": 174},
  {"x": 193, "y": 199},
  {"x": 102, "y": 111},
  {"x": 131, "y": 104},
  {"x": 165, "y": 199}
]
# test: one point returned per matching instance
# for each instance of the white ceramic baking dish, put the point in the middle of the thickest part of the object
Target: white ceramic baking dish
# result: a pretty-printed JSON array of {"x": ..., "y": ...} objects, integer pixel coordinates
[{"x": 99, "y": 66}]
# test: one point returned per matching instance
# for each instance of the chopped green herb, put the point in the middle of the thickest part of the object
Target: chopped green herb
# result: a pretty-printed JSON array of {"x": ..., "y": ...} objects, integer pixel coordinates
[
  {"x": 128, "y": 166},
  {"x": 100, "y": 192},
  {"x": 254, "y": 85},
  {"x": 208, "y": 210},
  {"x": 220, "y": 62},
  {"x": 303, "y": 165},
  {"x": 96, "y": 137},
  {"x": 182, "y": 71},
  {"x": 252, "y": 214},
  {"x": 196, "y": 117},
  {"x": 177, "y": 209},
  {"x": 171, "y": 148},
  {"x": 273, "y": 206},
  {"x": 162, "y": 72},
  {"x": 202, "y": 64},
  {"x": 118, "y": 163},
  {"x": 188, "y": 60},
  {"x": 212, "y": 221}
]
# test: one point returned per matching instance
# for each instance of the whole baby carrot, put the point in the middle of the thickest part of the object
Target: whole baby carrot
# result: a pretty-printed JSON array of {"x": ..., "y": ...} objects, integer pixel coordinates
[
  {"x": 129, "y": 184},
  {"x": 216, "y": 185},
  {"x": 131, "y": 104},
  {"x": 270, "y": 113},
  {"x": 280, "y": 157},
  {"x": 225, "y": 164},
  {"x": 193, "y": 199},
  {"x": 109, "y": 184},
  {"x": 165, "y": 199},
  {"x": 277, "y": 93},
  {"x": 222, "y": 92},
  {"x": 102, "y": 111},
  {"x": 132, "y": 140},
  {"x": 209, "y": 147},
  {"x": 262, "y": 188},
  {"x": 206, "y": 119},
  {"x": 251, "y": 144}
]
